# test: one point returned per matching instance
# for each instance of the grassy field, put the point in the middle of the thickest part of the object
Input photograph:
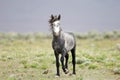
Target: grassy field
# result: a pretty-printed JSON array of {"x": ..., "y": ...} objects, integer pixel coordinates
[{"x": 33, "y": 59}]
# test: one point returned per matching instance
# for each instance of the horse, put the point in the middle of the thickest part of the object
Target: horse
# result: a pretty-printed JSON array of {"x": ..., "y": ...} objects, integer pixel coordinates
[{"x": 62, "y": 43}]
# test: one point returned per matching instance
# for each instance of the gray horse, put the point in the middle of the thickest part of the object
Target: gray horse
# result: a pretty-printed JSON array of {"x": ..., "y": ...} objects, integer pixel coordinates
[{"x": 62, "y": 43}]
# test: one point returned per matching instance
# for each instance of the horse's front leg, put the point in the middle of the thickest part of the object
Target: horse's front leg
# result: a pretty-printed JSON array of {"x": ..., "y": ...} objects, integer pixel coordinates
[
  {"x": 62, "y": 61},
  {"x": 66, "y": 63},
  {"x": 57, "y": 63}
]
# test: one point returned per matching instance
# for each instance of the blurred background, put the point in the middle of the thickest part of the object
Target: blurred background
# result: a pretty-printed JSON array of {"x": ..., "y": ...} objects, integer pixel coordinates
[{"x": 26, "y": 16}]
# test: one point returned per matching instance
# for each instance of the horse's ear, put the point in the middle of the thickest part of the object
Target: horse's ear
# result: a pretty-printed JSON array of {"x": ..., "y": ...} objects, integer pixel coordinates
[
  {"x": 52, "y": 16},
  {"x": 59, "y": 17}
]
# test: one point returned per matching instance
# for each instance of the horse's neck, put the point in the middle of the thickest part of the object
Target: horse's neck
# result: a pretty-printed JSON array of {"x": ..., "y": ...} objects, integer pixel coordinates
[{"x": 58, "y": 37}]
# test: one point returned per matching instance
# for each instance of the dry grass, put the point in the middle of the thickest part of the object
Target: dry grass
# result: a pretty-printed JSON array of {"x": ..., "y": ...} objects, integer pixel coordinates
[{"x": 34, "y": 60}]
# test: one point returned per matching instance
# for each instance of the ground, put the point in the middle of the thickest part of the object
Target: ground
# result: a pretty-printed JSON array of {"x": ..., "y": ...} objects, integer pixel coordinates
[{"x": 33, "y": 59}]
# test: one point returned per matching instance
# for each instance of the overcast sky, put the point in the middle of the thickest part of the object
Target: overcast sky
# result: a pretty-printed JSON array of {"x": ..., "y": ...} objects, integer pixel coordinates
[{"x": 76, "y": 15}]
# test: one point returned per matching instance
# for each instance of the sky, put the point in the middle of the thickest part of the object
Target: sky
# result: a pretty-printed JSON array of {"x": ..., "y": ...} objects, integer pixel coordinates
[{"x": 76, "y": 15}]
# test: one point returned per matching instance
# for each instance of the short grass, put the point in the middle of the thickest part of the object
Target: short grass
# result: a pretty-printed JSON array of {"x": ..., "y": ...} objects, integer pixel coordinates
[{"x": 34, "y": 60}]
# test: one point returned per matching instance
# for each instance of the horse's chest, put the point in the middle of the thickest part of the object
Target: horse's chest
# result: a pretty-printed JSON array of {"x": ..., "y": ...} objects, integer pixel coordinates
[{"x": 58, "y": 46}]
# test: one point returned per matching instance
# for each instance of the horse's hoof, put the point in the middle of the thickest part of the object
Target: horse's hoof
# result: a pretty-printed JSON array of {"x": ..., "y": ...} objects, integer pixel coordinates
[
  {"x": 56, "y": 76},
  {"x": 74, "y": 74},
  {"x": 66, "y": 71}
]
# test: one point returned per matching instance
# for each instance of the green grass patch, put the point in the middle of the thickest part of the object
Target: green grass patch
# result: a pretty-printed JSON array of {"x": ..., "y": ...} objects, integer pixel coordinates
[{"x": 26, "y": 57}]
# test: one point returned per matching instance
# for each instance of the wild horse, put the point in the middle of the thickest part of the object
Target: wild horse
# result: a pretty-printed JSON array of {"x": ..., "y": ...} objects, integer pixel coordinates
[{"x": 62, "y": 43}]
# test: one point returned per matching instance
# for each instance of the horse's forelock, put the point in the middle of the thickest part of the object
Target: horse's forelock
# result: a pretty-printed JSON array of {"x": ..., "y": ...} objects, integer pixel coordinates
[{"x": 53, "y": 19}]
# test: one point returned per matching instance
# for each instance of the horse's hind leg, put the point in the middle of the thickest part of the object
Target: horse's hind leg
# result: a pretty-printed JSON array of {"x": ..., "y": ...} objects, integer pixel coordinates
[{"x": 73, "y": 59}]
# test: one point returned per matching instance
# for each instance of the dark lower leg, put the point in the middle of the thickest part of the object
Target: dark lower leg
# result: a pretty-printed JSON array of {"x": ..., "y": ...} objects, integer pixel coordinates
[
  {"x": 57, "y": 65},
  {"x": 62, "y": 61},
  {"x": 73, "y": 60},
  {"x": 66, "y": 63},
  {"x": 63, "y": 66}
]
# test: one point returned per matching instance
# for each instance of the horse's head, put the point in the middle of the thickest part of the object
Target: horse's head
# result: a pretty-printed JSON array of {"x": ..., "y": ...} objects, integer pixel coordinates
[{"x": 55, "y": 24}]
